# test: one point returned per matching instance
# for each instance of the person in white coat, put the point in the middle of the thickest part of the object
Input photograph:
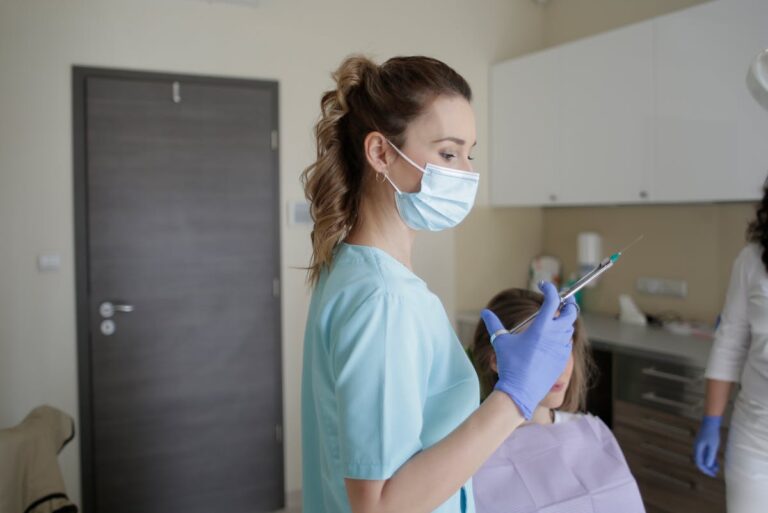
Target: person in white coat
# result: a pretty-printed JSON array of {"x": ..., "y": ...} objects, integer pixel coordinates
[{"x": 740, "y": 355}]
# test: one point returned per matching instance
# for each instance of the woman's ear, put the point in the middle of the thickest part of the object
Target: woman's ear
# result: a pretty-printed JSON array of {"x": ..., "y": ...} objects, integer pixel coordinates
[{"x": 378, "y": 153}]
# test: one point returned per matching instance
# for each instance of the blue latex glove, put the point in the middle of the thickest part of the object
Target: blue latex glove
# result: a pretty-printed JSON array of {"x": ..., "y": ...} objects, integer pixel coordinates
[
  {"x": 706, "y": 445},
  {"x": 530, "y": 362}
]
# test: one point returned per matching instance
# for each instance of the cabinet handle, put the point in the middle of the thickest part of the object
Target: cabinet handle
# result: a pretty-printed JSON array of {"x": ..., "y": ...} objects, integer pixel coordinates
[
  {"x": 553, "y": 197},
  {"x": 654, "y": 372},
  {"x": 663, "y": 426},
  {"x": 644, "y": 194},
  {"x": 655, "y": 474},
  {"x": 653, "y": 398},
  {"x": 666, "y": 453}
]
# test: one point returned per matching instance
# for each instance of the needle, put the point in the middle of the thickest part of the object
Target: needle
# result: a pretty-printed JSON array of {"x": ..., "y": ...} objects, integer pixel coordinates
[{"x": 631, "y": 244}]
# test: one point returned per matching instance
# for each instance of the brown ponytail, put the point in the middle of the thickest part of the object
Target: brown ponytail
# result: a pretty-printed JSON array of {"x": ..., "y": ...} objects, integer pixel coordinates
[{"x": 367, "y": 98}]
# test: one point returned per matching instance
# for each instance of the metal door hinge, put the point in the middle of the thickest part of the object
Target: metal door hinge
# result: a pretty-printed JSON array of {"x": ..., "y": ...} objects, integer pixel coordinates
[
  {"x": 279, "y": 433},
  {"x": 274, "y": 139},
  {"x": 276, "y": 287}
]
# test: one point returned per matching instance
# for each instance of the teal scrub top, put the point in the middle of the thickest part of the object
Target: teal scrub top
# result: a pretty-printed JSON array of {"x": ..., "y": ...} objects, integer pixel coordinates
[{"x": 384, "y": 377}]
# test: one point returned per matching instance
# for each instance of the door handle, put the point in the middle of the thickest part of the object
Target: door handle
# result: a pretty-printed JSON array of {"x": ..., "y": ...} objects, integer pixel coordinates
[{"x": 107, "y": 309}]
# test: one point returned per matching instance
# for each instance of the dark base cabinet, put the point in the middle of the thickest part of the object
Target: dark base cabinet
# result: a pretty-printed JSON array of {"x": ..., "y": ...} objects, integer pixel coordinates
[
  {"x": 657, "y": 408},
  {"x": 659, "y": 447}
]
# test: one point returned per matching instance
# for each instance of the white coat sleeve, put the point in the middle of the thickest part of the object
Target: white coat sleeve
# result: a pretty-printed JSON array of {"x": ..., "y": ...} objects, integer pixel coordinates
[{"x": 731, "y": 345}]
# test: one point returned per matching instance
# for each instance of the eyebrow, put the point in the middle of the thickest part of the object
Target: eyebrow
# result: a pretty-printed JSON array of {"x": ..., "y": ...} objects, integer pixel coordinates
[{"x": 453, "y": 139}]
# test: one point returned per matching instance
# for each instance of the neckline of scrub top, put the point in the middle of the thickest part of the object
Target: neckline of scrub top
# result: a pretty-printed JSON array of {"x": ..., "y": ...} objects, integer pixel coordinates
[{"x": 378, "y": 252}]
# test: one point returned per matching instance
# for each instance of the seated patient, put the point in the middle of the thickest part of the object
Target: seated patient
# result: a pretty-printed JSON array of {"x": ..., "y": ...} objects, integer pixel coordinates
[{"x": 561, "y": 461}]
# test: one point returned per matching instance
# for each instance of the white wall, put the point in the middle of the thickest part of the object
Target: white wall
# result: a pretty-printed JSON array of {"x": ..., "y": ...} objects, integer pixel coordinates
[{"x": 296, "y": 42}]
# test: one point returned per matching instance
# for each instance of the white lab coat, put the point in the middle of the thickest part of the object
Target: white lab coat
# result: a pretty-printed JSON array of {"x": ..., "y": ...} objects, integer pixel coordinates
[{"x": 740, "y": 354}]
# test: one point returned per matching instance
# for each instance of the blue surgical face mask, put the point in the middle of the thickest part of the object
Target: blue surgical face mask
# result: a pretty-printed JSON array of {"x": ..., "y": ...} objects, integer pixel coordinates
[{"x": 446, "y": 197}]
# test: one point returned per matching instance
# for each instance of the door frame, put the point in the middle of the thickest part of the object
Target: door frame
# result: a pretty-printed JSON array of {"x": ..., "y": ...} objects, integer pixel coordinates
[{"x": 80, "y": 74}]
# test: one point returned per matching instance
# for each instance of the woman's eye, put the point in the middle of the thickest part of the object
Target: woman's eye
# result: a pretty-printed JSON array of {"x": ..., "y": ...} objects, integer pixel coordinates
[
  {"x": 448, "y": 156},
  {"x": 470, "y": 157}
]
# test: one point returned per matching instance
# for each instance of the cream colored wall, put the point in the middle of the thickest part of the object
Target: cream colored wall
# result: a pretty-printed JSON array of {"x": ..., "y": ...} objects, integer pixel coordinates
[
  {"x": 694, "y": 243},
  {"x": 296, "y": 42},
  {"x": 493, "y": 249},
  {"x": 493, "y": 246}
]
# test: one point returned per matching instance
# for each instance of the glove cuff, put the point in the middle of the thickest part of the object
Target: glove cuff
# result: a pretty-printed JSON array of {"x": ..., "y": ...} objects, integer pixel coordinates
[
  {"x": 524, "y": 410},
  {"x": 712, "y": 421}
]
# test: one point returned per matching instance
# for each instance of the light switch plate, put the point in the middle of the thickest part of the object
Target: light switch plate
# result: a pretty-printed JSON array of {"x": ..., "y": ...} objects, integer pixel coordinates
[
  {"x": 662, "y": 287},
  {"x": 49, "y": 262},
  {"x": 298, "y": 213}
]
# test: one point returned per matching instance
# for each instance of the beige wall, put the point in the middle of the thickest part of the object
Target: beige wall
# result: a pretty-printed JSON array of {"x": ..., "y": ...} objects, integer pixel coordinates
[
  {"x": 296, "y": 42},
  {"x": 695, "y": 243},
  {"x": 493, "y": 249}
]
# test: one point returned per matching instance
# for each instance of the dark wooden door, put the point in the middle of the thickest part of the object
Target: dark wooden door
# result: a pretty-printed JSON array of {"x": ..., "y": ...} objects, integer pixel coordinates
[{"x": 183, "y": 394}]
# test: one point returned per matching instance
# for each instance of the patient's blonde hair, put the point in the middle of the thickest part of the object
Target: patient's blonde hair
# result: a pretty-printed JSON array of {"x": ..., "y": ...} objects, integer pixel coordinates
[{"x": 512, "y": 306}]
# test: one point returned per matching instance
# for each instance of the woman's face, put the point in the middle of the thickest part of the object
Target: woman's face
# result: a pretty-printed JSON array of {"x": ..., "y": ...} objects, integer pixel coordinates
[{"x": 443, "y": 135}]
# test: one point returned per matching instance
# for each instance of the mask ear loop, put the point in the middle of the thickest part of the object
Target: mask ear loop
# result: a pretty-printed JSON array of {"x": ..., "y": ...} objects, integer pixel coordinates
[
  {"x": 386, "y": 177},
  {"x": 406, "y": 157}
]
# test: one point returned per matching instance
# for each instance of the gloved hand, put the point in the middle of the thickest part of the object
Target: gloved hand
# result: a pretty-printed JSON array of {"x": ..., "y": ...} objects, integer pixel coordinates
[
  {"x": 706, "y": 445},
  {"x": 530, "y": 362}
]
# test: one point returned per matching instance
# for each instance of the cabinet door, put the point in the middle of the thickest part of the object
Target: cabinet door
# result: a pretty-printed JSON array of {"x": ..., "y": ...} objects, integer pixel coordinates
[
  {"x": 711, "y": 141},
  {"x": 523, "y": 130},
  {"x": 605, "y": 87}
]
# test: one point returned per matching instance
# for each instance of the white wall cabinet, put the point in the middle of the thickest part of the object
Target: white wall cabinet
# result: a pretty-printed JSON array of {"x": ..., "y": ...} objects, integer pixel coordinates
[
  {"x": 654, "y": 112},
  {"x": 524, "y": 124},
  {"x": 710, "y": 135},
  {"x": 605, "y": 139}
]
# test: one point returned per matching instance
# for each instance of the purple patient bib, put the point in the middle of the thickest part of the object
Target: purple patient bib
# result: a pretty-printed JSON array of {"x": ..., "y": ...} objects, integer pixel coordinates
[{"x": 574, "y": 466}]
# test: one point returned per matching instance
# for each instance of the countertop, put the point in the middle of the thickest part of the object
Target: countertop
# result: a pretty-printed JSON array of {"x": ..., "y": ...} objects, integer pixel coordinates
[{"x": 606, "y": 332}]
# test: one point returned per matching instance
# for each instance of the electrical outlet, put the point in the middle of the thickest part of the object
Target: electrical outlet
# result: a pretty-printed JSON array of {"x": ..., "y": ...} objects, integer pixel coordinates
[{"x": 662, "y": 287}]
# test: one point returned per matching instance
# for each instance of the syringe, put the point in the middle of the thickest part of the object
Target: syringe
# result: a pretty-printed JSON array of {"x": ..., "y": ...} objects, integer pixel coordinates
[{"x": 603, "y": 266}]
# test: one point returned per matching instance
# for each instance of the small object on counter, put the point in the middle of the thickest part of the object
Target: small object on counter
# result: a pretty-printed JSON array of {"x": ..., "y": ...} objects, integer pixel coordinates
[
  {"x": 690, "y": 329},
  {"x": 629, "y": 312},
  {"x": 544, "y": 268},
  {"x": 654, "y": 320}
]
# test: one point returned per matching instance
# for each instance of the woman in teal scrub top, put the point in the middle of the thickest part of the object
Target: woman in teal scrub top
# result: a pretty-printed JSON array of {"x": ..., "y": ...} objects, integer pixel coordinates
[{"x": 391, "y": 420}]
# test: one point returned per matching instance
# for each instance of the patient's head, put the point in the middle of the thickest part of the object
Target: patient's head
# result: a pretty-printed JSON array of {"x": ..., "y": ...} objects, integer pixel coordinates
[{"x": 513, "y": 306}]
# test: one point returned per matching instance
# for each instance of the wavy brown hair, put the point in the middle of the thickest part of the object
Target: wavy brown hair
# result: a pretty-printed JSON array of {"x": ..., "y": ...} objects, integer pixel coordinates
[
  {"x": 512, "y": 306},
  {"x": 757, "y": 231},
  {"x": 367, "y": 98}
]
